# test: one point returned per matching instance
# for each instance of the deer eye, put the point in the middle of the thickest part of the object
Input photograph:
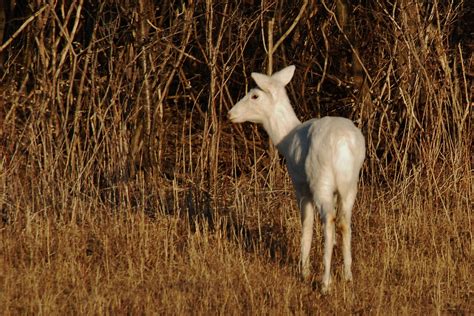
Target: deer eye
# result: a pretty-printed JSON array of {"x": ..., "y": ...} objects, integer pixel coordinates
[{"x": 254, "y": 96}]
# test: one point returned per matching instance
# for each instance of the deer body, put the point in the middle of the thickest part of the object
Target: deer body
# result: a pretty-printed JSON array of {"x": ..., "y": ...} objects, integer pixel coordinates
[{"x": 323, "y": 156}]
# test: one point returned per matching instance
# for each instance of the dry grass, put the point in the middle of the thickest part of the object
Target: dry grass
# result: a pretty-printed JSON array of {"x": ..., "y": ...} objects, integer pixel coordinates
[
  {"x": 124, "y": 190},
  {"x": 412, "y": 246}
]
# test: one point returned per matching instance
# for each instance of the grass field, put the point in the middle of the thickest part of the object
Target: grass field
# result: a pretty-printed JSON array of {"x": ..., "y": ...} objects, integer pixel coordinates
[
  {"x": 125, "y": 190},
  {"x": 235, "y": 250}
]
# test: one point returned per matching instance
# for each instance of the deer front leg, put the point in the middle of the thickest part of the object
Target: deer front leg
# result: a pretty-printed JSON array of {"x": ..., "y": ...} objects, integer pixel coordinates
[{"x": 307, "y": 219}]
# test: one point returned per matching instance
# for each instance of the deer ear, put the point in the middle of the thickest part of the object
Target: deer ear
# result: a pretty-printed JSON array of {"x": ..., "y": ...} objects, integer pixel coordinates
[
  {"x": 264, "y": 82},
  {"x": 284, "y": 76}
]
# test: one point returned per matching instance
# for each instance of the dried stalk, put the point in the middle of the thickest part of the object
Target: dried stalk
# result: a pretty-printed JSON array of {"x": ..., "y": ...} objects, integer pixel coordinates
[{"x": 22, "y": 27}]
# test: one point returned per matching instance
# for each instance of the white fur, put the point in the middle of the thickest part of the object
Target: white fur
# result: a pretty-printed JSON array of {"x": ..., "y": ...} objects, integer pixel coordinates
[{"x": 324, "y": 157}]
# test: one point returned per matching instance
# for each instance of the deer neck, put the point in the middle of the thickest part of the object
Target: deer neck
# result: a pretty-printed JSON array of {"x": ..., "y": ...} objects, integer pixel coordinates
[{"x": 281, "y": 123}]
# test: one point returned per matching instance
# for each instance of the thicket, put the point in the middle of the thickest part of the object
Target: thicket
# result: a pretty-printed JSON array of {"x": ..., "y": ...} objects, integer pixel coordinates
[{"x": 105, "y": 84}]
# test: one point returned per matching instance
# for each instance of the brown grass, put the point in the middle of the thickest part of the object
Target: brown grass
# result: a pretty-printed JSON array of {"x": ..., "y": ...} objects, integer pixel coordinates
[{"x": 124, "y": 189}]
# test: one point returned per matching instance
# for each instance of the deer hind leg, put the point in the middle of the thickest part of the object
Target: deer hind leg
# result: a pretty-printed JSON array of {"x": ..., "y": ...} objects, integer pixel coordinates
[
  {"x": 328, "y": 216},
  {"x": 347, "y": 202}
]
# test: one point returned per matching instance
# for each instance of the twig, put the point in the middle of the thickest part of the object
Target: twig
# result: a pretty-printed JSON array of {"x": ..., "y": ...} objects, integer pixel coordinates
[
  {"x": 272, "y": 48},
  {"x": 22, "y": 27},
  {"x": 293, "y": 25},
  {"x": 348, "y": 41},
  {"x": 326, "y": 57}
]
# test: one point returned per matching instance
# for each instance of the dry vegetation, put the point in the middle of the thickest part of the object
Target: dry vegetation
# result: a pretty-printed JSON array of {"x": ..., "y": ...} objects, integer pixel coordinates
[{"x": 125, "y": 190}]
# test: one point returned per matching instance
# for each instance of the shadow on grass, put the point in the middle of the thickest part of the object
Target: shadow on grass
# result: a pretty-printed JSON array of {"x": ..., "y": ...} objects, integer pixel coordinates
[{"x": 198, "y": 209}]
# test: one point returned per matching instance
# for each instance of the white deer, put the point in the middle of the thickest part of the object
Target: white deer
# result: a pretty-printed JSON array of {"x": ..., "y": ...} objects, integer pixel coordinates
[{"x": 323, "y": 156}]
